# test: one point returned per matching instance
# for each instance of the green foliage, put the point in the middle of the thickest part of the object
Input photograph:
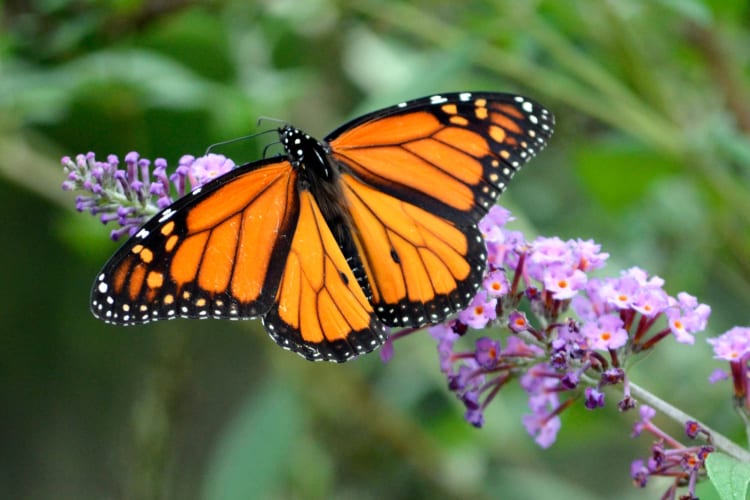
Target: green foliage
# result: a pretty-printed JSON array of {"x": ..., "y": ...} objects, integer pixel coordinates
[
  {"x": 729, "y": 476},
  {"x": 254, "y": 450},
  {"x": 650, "y": 158}
]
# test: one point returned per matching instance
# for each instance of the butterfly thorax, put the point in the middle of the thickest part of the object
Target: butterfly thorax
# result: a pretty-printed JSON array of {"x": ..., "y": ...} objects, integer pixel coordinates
[{"x": 317, "y": 174}]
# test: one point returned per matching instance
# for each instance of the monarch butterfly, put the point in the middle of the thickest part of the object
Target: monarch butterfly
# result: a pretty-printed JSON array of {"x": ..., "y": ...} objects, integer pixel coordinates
[{"x": 335, "y": 240}]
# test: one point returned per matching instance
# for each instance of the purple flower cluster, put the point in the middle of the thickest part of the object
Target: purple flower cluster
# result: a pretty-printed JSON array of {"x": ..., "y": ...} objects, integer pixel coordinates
[
  {"x": 734, "y": 346},
  {"x": 670, "y": 458},
  {"x": 556, "y": 359},
  {"x": 129, "y": 195}
]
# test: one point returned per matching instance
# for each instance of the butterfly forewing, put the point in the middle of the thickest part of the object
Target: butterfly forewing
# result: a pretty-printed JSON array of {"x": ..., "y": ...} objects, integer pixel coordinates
[
  {"x": 451, "y": 154},
  {"x": 207, "y": 255},
  {"x": 320, "y": 310}
]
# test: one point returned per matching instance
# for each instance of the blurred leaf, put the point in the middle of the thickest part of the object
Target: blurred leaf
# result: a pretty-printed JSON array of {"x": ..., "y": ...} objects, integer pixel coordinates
[
  {"x": 694, "y": 10},
  {"x": 729, "y": 476},
  {"x": 705, "y": 491},
  {"x": 735, "y": 10},
  {"x": 197, "y": 39},
  {"x": 524, "y": 483},
  {"x": 618, "y": 174},
  {"x": 253, "y": 453},
  {"x": 85, "y": 234}
]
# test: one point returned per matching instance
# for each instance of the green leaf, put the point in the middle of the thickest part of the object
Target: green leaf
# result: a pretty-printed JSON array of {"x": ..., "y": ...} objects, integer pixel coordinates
[
  {"x": 618, "y": 173},
  {"x": 729, "y": 476},
  {"x": 252, "y": 455}
]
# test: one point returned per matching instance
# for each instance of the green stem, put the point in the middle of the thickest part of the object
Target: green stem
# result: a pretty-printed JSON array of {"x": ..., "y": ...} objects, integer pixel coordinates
[{"x": 721, "y": 442}]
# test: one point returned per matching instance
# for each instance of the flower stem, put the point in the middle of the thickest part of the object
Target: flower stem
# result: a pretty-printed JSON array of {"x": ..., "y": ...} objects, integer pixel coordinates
[{"x": 721, "y": 442}]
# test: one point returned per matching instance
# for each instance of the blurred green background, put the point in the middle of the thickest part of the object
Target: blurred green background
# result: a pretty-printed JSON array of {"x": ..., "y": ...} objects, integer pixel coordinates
[{"x": 650, "y": 158}]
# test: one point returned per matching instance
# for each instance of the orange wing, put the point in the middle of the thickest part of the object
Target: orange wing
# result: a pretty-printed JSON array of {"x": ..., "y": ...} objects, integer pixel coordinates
[
  {"x": 214, "y": 253},
  {"x": 417, "y": 178},
  {"x": 421, "y": 267},
  {"x": 248, "y": 244},
  {"x": 320, "y": 310}
]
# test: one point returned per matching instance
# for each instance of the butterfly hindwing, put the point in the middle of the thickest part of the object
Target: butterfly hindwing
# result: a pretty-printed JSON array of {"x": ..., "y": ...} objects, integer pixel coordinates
[
  {"x": 320, "y": 310},
  {"x": 421, "y": 267}
]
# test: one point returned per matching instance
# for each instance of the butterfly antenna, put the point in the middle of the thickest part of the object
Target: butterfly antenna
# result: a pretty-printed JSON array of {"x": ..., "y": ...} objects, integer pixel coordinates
[
  {"x": 268, "y": 146},
  {"x": 261, "y": 119},
  {"x": 237, "y": 139}
]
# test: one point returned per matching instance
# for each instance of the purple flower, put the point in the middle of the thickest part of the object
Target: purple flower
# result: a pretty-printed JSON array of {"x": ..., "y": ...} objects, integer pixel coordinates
[
  {"x": 551, "y": 251},
  {"x": 543, "y": 423},
  {"x": 446, "y": 338},
  {"x": 209, "y": 167},
  {"x": 475, "y": 417},
  {"x": 480, "y": 311},
  {"x": 467, "y": 378},
  {"x": 517, "y": 322},
  {"x": 563, "y": 282},
  {"x": 606, "y": 332},
  {"x": 641, "y": 276},
  {"x": 732, "y": 345},
  {"x": 387, "y": 350},
  {"x": 590, "y": 304},
  {"x": 612, "y": 376},
  {"x": 718, "y": 375},
  {"x": 678, "y": 326},
  {"x": 492, "y": 224},
  {"x": 571, "y": 379},
  {"x": 517, "y": 348},
  {"x": 543, "y": 426},
  {"x": 474, "y": 414},
  {"x": 639, "y": 473},
  {"x": 620, "y": 293},
  {"x": 593, "y": 398},
  {"x": 646, "y": 414},
  {"x": 495, "y": 284},
  {"x": 692, "y": 429},
  {"x": 588, "y": 255},
  {"x": 650, "y": 301},
  {"x": 132, "y": 194},
  {"x": 487, "y": 353},
  {"x": 686, "y": 316}
]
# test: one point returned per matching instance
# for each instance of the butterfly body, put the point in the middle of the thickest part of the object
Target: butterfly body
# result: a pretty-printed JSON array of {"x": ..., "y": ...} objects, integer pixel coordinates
[{"x": 333, "y": 241}]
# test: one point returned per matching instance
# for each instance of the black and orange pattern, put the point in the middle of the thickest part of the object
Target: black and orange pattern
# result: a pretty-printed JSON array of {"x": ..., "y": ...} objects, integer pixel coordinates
[{"x": 336, "y": 240}]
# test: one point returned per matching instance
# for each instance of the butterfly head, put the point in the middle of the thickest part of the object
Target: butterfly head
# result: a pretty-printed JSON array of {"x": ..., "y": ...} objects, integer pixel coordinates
[{"x": 305, "y": 153}]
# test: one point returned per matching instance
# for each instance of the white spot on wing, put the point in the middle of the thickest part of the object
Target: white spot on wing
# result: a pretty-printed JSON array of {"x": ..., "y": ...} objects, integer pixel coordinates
[{"x": 166, "y": 214}]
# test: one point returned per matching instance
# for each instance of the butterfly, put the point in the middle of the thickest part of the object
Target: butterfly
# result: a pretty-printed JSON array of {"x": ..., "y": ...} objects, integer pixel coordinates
[{"x": 332, "y": 242}]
